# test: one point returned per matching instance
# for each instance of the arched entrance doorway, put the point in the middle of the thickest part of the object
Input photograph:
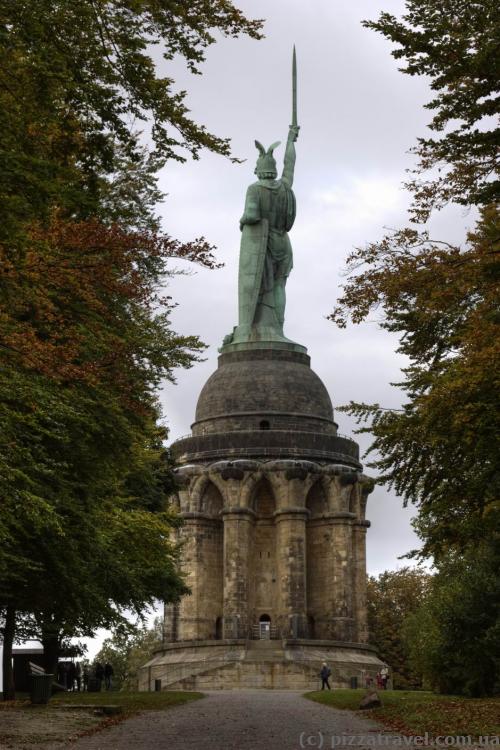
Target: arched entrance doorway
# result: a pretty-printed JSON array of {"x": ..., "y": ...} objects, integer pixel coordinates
[{"x": 264, "y": 627}]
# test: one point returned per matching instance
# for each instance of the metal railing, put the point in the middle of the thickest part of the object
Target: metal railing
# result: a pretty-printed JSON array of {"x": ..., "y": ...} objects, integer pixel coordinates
[
  {"x": 204, "y": 434},
  {"x": 268, "y": 634}
]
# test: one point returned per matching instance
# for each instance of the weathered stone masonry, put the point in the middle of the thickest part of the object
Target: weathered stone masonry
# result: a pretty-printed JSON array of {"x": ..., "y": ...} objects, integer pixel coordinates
[
  {"x": 273, "y": 501},
  {"x": 293, "y": 549}
]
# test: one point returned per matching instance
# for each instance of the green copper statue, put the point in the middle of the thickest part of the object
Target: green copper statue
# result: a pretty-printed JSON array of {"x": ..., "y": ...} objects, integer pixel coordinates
[{"x": 265, "y": 251}]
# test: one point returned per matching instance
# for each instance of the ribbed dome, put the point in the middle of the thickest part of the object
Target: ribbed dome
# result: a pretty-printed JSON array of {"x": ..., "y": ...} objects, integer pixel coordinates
[{"x": 264, "y": 389}]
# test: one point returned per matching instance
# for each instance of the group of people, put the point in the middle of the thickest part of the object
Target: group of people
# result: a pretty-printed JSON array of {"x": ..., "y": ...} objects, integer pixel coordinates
[
  {"x": 382, "y": 678},
  {"x": 104, "y": 673},
  {"x": 73, "y": 677},
  {"x": 70, "y": 675}
]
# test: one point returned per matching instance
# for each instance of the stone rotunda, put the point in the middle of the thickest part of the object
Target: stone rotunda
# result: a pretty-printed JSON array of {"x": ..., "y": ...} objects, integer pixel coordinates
[{"x": 273, "y": 502}]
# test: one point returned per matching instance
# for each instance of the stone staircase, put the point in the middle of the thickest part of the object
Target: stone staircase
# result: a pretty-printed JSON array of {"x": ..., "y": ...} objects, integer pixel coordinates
[
  {"x": 264, "y": 651},
  {"x": 285, "y": 665},
  {"x": 263, "y": 665}
]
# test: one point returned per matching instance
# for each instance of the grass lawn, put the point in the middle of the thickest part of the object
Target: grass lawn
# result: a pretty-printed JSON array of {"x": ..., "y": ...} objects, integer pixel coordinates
[
  {"x": 417, "y": 712},
  {"x": 130, "y": 702},
  {"x": 71, "y": 715}
]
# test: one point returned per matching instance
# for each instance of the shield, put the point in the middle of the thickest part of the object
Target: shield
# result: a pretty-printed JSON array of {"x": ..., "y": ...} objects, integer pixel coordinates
[{"x": 252, "y": 257}]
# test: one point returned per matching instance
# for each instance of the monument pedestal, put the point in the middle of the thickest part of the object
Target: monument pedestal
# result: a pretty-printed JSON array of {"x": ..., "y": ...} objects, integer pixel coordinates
[{"x": 274, "y": 536}]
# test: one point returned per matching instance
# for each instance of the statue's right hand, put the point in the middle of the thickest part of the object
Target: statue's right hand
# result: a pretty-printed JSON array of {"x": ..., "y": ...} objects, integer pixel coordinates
[{"x": 293, "y": 132}]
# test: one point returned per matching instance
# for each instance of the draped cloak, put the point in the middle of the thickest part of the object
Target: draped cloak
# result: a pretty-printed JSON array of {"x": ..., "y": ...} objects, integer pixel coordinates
[{"x": 266, "y": 252}]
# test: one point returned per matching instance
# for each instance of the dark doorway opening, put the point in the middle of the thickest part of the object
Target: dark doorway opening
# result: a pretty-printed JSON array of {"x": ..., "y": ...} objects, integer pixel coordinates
[
  {"x": 218, "y": 629},
  {"x": 310, "y": 626},
  {"x": 264, "y": 627}
]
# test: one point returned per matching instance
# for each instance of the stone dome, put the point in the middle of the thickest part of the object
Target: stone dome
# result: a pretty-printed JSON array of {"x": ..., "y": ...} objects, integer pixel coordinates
[{"x": 259, "y": 389}]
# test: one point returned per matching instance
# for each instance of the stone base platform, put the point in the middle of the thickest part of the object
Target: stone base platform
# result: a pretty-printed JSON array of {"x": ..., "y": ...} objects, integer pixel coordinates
[{"x": 234, "y": 664}]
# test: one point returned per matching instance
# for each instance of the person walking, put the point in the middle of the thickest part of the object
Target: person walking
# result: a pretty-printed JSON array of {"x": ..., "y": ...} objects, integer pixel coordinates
[
  {"x": 71, "y": 676},
  {"x": 325, "y": 674},
  {"x": 384, "y": 674},
  {"x": 78, "y": 676},
  {"x": 108, "y": 674},
  {"x": 99, "y": 675}
]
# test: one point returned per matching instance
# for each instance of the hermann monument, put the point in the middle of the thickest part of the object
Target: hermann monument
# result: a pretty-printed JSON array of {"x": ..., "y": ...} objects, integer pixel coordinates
[{"x": 273, "y": 499}]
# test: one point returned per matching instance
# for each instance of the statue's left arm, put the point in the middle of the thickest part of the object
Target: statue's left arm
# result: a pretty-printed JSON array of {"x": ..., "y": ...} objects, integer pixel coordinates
[{"x": 289, "y": 161}]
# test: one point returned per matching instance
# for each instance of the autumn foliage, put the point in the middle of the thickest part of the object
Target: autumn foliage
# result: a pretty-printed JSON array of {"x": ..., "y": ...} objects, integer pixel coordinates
[
  {"x": 440, "y": 450},
  {"x": 85, "y": 333}
]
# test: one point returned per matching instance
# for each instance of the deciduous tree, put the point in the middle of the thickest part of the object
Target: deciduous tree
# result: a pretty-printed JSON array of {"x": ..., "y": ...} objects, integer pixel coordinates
[
  {"x": 392, "y": 597},
  {"x": 85, "y": 337},
  {"x": 455, "y": 43},
  {"x": 453, "y": 639},
  {"x": 128, "y": 649}
]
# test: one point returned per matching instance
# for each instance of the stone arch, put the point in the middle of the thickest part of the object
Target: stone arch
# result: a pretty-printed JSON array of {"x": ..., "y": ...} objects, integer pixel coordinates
[
  {"x": 199, "y": 488},
  {"x": 318, "y": 556},
  {"x": 336, "y": 496},
  {"x": 248, "y": 489},
  {"x": 211, "y": 500},
  {"x": 354, "y": 505},
  {"x": 204, "y": 536},
  {"x": 263, "y": 499},
  {"x": 263, "y": 580},
  {"x": 316, "y": 500}
]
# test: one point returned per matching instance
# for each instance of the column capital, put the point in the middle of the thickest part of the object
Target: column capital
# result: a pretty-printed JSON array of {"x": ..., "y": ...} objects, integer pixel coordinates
[
  {"x": 195, "y": 515},
  {"x": 362, "y": 525},
  {"x": 237, "y": 511},
  {"x": 283, "y": 513}
]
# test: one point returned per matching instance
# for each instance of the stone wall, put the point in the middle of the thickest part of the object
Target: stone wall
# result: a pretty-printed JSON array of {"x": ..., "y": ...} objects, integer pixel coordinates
[{"x": 293, "y": 665}]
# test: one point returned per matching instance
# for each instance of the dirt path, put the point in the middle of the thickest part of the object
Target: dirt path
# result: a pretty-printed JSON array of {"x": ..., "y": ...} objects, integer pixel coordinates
[
  {"x": 42, "y": 726},
  {"x": 239, "y": 719}
]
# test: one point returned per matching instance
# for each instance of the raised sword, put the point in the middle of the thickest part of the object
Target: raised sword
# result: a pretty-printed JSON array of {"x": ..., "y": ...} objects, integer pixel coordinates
[{"x": 294, "y": 88}]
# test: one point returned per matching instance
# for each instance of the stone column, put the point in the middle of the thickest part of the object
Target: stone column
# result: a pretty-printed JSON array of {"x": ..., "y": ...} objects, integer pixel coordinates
[
  {"x": 359, "y": 579},
  {"x": 238, "y": 532},
  {"x": 291, "y": 557},
  {"x": 171, "y": 623},
  {"x": 341, "y": 587},
  {"x": 195, "y": 617}
]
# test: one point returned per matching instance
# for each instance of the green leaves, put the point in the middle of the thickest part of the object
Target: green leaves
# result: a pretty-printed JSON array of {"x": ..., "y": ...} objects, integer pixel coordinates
[
  {"x": 453, "y": 639},
  {"x": 85, "y": 336},
  {"x": 455, "y": 44},
  {"x": 391, "y": 598},
  {"x": 440, "y": 451}
]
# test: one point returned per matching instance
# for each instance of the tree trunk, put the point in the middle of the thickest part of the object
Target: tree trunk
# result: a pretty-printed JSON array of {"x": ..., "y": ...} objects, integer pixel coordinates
[
  {"x": 51, "y": 647},
  {"x": 9, "y": 629}
]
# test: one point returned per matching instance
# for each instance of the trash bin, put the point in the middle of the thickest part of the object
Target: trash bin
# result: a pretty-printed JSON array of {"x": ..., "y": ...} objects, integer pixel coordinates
[
  {"x": 94, "y": 685},
  {"x": 41, "y": 687},
  {"x": 354, "y": 683}
]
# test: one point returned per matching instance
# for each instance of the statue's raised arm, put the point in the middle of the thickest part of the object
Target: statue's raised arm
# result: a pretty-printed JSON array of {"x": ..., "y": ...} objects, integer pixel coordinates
[{"x": 290, "y": 156}]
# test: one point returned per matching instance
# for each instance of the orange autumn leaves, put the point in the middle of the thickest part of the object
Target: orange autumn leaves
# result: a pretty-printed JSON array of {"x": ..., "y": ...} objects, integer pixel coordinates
[{"x": 77, "y": 295}]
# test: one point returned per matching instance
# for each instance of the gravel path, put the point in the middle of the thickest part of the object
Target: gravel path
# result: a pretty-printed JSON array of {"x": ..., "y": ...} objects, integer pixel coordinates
[{"x": 240, "y": 719}]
